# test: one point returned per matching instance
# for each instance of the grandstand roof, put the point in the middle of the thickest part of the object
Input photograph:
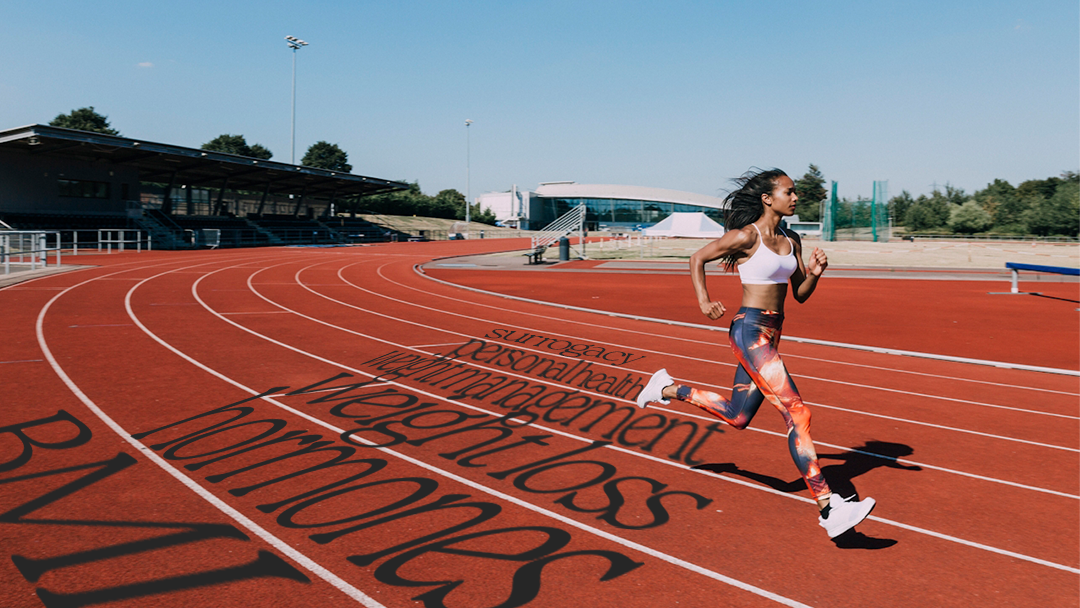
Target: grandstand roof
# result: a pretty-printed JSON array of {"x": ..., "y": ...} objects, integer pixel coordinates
[
  {"x": 576, "y": 190},
  {"x": 158, "y": 162}
]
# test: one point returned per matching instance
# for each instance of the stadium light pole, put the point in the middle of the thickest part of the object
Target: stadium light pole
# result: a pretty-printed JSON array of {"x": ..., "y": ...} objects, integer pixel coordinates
[
  {"x": 295, "y": 44},
  {"x": 468, "y": 174}
]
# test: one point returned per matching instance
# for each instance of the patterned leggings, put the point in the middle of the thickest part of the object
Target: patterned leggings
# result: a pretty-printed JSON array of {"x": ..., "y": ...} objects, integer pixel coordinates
[{"x": 754, "y": 336}]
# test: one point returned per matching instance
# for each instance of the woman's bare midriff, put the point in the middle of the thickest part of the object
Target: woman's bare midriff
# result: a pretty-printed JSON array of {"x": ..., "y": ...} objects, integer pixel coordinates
[{"x": 765, "y": 297}]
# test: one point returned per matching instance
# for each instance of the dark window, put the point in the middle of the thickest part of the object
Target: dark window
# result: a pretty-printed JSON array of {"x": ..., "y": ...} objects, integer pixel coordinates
[{"x": 83, "y": 189}]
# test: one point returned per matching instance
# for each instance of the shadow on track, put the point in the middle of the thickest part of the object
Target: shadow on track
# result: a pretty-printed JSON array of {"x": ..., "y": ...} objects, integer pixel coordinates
[{"x": 859, "y": 461}]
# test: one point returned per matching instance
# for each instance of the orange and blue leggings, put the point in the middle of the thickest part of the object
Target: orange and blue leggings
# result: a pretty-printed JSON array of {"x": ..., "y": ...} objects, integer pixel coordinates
[{"x": 754, "y": 335}]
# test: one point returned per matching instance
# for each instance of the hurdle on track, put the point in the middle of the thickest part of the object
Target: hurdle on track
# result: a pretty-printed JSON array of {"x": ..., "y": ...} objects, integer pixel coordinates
[{"x": 1016, "y": 267}]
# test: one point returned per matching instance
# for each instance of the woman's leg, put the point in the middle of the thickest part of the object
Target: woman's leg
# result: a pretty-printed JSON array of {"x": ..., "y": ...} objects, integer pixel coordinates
[
  {"x": 737, "y": 411},
  {"x": 761, "y": 375},
  {"x": 755, "y": 348},
  {"x": 754, "y": 337}
]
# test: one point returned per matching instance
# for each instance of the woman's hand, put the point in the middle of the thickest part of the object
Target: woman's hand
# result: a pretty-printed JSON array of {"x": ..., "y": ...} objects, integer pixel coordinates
[
  {"x": 713, "y": 310},
  {"x": 817, "y": 263}
]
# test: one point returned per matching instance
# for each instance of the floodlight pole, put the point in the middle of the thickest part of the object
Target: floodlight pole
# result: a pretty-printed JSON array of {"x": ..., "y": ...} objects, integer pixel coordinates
[
  {"x": 294, "y": 43},
  {"x": 468, "y": 174}
]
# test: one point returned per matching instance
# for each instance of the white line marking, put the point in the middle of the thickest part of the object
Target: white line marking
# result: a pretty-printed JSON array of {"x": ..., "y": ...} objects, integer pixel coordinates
[
  {"x": 544, "y": 381},
  {"x": 670, "y": 354},
  {"x": 563, "y": 433},
  {"x": 420, "y": 272},
  {"x": 873, "y": 349},
  {"x": 238, "y": 517},
  {"x": 438, "y": 329},
  {"x": 570, "y": 522},
  {"x": 256, "y": 312}
]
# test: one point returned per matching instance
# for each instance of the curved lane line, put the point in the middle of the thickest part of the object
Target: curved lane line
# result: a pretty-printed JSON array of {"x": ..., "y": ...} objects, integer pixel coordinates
[
  {"x": 512, "y": 499},
  {"x": 931, "y": 533},
  {"x": 236, "y": 516},
  {"x": 700, "y": 360},
  {"x": 895, "y": 419},
  {"x": 417, "y": 269},
  {"x": 873, "y": 349},
  {"x": 689, "y": 415}
]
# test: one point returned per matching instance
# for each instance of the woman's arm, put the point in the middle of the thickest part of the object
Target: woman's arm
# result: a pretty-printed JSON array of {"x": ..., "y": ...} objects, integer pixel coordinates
[
  {"x": 805, "y": 278},
  {"x": 735, "y": 241}
]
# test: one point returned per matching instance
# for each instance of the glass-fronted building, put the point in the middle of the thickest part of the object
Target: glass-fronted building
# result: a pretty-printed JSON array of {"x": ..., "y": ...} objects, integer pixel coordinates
[{"x": 607, "y": 207}]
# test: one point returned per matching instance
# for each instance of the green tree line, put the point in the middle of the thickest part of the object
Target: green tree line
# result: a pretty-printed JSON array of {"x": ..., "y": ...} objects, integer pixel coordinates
[
  {"x": 447, "y": 204},
  {"x": 1042, "y": 207}
]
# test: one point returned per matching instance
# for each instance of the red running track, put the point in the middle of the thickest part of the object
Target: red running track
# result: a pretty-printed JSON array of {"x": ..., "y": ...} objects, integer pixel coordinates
[{"x": 332, "y": 427}]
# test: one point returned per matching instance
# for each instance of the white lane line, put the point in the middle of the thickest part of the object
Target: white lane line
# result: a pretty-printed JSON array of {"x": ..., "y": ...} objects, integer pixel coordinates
[
  {"x": 873, "y": 349},
  {"x": 603, "y": 396},
  {"x": 438, "y": 329},
  {"x": 908, "y": 421},
  {"x": 613, "y": 447},
  {"x": 256, "y": 312},
  {"x": 540, "y": 510},
  {"x": 517, "y": 312},
  {"x": 691, "y": 358},
  {"x": 875, "y": 455},
  {"x": 236, "y": 516}
]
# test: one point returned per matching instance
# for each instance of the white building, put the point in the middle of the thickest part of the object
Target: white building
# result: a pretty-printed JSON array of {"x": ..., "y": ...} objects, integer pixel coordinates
[{"x": 608, "y": 207}]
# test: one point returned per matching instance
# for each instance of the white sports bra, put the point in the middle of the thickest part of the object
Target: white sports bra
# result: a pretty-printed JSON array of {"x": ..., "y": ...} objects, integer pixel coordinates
[{"x": 766, "y": 267}]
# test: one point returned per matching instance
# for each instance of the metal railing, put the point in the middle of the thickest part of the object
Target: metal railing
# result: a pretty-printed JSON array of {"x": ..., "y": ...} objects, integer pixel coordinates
[
  {"x": 121, "y": 238},
  {"x": 28, "y": 249},
  {"x": 571, "y": 221},
  {"x": 1002, "y": 238}
]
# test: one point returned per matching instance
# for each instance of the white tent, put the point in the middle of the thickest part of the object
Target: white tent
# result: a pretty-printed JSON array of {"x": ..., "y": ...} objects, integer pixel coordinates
[{"x": 693, "y": 225}]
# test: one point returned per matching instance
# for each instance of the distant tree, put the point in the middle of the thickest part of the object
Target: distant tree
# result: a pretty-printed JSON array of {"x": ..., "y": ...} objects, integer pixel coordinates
[
  {"x": 999, "y": 199},
  {"x": 955, "y": 196},
  {"x": 448, "y": 204},
  {"x": 326, "y": 155},
  {"x": 810, "y": 189},
  {"x": 260, "y": 152},
  {"x": 84, "y": 119},
  {"x": 1066, "y": 201},
  {"x": 899, "y": 204},
  {"x": 928, "y": 212},
  {"x": 487, "y": 216},
  {"x": 1060, "y": 214},
  {"x": 969, "y": 218},
  {"x": 1044, "y": 188},
  {"x": 235, "y": 144}
]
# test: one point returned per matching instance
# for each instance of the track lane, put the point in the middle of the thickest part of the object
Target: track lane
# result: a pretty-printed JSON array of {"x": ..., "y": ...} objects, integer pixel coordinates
[
  {"x": 95, "y": 526},
  {"x": 911, "y": 544},
  {"x": 194, "y": 345},
  {"x": 1038, "y": 430}
]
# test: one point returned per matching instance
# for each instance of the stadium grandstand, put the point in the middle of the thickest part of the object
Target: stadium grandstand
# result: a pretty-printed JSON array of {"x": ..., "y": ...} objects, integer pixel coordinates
[{"x": 79, "y": 183}]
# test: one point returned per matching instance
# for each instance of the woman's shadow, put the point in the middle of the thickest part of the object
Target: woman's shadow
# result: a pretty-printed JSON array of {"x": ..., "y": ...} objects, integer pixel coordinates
[{"x": 860, "y": 460}]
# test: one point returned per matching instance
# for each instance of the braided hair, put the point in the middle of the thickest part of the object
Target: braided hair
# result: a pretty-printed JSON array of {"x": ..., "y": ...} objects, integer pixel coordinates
[{"x": 744, "y": 204}]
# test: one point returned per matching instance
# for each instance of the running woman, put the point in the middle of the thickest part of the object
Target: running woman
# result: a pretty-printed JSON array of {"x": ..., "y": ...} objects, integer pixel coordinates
[{"x": 767, "y": 258}]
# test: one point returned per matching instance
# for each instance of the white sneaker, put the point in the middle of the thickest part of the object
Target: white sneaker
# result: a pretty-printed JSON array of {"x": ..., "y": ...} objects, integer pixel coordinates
[
  {"x": 845, "y": 514},
  {"x": 654, "y": 390}
]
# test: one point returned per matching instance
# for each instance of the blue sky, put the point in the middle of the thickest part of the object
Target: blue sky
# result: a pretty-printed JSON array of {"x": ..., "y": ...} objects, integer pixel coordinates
[{"x": 679, "y": 95}]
